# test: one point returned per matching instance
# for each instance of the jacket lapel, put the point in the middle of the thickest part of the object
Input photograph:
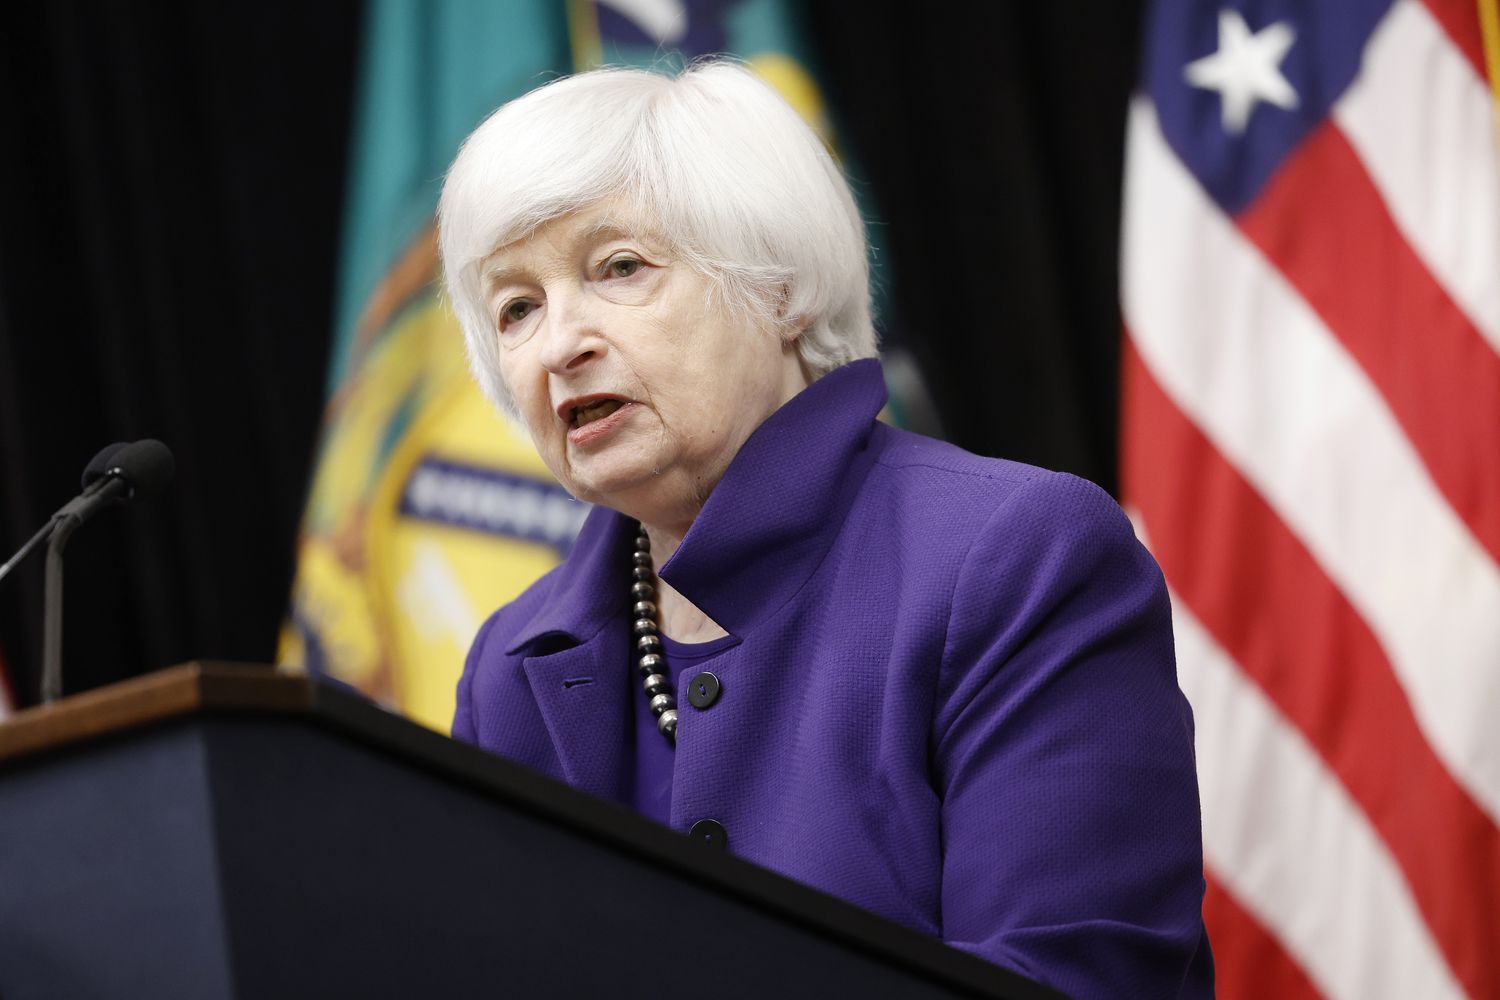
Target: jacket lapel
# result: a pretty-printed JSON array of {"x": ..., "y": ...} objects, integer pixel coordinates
[
  {"x": 578, "y": 668},
  {"x": 581, "y": 694}
]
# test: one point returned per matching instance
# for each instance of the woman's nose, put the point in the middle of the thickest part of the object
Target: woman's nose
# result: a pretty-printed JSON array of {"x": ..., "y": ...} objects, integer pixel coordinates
[{"x": 570, "y": 332}]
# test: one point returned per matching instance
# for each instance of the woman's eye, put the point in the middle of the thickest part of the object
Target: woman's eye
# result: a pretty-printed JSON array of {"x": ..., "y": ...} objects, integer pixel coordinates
[
  {"x": 623, "y": 267},
  {"x": 516, "y": 311}
]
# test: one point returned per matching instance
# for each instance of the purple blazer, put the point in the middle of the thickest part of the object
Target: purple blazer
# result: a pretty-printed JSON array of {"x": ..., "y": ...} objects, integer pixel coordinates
[{"x": 952, "y": 698}]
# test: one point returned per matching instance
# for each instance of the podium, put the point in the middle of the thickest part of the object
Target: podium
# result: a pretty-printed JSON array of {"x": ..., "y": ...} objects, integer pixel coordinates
[{"x": 225, "y": 831}]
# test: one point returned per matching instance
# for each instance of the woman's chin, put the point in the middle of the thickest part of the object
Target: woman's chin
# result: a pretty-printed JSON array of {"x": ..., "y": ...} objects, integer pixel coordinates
[
  {"x": 611, "y": 480},
  {"x": 640, "y": 492}
]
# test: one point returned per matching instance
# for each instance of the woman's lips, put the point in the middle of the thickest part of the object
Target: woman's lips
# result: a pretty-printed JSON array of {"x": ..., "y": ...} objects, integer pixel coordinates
[{"x": 594, "y": 430}]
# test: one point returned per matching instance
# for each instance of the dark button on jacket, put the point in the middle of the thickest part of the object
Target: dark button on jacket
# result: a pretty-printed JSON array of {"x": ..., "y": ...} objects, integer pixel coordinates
[
  {"x": 704, "y": 689},
  {"x": 710, "y": 832}
]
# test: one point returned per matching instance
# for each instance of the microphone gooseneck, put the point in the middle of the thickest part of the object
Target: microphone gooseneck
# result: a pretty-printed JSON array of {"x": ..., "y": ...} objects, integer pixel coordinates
[
  {"x": 25, "y": 550},
  {"x": 117, "y": 474}
]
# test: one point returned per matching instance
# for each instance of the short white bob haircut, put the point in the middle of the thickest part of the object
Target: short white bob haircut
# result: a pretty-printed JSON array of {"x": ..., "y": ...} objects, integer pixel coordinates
[{"x": 713, "y": 160}]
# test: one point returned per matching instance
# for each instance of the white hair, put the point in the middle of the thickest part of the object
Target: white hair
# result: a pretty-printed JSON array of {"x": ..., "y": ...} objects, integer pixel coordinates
[{"x": 713, "y": 159}]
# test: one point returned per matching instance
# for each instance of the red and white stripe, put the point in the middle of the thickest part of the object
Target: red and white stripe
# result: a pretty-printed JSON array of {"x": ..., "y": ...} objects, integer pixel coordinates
[
  {"x": 1431, "y": 151},
  {"x": 1311, "y": 444},
  {"x": 1322, "y": 843}
]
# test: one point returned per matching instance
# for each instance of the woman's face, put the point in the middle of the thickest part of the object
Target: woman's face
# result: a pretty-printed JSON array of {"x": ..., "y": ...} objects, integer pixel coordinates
[{"x": 637, "y": 388}]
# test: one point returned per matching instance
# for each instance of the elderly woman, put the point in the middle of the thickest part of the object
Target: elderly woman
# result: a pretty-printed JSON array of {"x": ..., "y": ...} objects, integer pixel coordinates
[{"x": 936, "y": 685}]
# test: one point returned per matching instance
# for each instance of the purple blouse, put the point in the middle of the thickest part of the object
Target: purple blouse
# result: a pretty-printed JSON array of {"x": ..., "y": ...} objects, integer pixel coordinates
[{"x": 651, "y": 795}]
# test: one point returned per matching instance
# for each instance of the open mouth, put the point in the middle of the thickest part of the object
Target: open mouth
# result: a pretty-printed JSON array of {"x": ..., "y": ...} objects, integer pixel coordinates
[{"x": 597, "y": 410}]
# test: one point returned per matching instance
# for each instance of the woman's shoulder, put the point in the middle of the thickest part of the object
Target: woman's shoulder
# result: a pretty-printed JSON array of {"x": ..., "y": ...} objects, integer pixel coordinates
[{"x": 943, "y": 480}]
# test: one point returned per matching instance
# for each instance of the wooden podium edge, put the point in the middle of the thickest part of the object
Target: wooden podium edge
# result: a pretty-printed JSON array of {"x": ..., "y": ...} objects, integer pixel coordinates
[
  {"x": 213, "y": 688},
  {"x": 149, "y": 699}
]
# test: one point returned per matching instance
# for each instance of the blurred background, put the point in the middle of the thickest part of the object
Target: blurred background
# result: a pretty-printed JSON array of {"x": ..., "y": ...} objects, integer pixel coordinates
[
  {"x": 1269, "y": 323},
  {"x": 170, "y": 265}
]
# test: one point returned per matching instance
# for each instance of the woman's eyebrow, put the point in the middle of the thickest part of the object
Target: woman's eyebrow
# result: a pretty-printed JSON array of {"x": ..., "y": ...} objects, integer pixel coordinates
[
  {"x": 609, "y": 228},
  {"x": 494, "y": 276}
]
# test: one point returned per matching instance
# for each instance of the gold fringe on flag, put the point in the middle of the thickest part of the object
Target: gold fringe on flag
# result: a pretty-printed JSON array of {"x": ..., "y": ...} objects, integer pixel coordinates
[{"x": 1489, "y": 27}]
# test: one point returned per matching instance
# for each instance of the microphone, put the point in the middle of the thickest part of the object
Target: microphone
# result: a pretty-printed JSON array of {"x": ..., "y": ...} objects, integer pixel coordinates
[
  {"x": 144, "y": 466},
  {"x": 96, "y": 470},
  {"x": 119, "y": 473},
  {"x": 99, "y": 465}
]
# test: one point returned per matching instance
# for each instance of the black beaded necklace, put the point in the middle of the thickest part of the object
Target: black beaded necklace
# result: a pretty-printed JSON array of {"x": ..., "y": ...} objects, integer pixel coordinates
[{"x": 653, "y": 664}]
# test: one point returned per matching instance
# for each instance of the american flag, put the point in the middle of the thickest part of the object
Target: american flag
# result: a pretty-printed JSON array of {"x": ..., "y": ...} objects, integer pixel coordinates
[{"x": 1311, "y": 448}]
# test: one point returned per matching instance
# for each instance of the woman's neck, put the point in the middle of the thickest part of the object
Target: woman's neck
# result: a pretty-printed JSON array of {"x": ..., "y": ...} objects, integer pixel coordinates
[{"x": 677, "y": 617}]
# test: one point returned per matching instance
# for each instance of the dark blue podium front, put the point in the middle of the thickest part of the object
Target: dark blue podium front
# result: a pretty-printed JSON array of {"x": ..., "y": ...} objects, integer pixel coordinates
[{"x": 215, "y": 831}]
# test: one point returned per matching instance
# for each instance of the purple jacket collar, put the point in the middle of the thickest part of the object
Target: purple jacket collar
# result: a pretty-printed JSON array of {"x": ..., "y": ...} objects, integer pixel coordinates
[{"x": 763, "y": 531}]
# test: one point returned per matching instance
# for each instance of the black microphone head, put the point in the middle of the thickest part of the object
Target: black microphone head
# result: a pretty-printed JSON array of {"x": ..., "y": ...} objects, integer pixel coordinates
[
  {"x": 145, "y": 465},
  {"x": 101, "y": 463}
]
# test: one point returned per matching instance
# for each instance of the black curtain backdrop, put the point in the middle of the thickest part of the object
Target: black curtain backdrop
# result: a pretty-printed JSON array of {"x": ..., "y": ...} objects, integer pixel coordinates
[
  {"x": 992, "y": 140},
  {"x": 170, "y": 202}
]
